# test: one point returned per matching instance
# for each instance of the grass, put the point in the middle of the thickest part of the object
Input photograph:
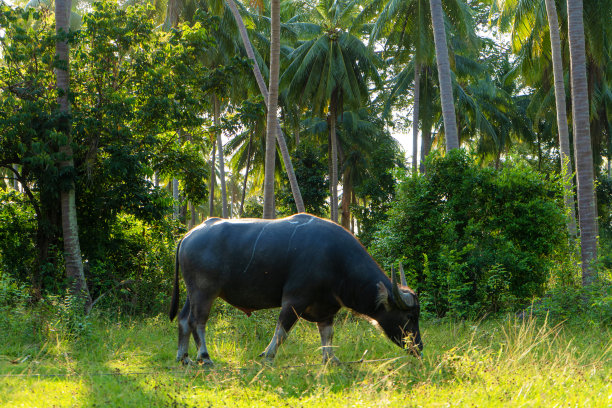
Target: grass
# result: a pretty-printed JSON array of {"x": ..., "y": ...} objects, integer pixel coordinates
[{"x": 130, "y": 363}]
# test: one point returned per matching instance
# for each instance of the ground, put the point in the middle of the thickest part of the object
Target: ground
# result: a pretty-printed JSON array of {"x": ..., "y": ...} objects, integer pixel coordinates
[{"x": 128, "y": 362}]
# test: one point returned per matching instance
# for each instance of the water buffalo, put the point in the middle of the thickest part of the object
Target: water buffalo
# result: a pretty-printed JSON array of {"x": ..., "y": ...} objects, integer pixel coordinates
[{"x": 307, "y": 266}]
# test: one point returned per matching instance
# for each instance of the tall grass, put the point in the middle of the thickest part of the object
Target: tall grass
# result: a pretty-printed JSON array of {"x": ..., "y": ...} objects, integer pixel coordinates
[{"x": 500, "y": 362}]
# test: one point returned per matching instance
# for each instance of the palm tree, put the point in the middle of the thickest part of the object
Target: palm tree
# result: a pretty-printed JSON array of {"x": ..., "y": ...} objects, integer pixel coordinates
[
  {"x": 415, "y": 115},
  {"x": 213, "y": 178},
  {"x": 216, "y": 116},
  {"x": 444, "y": 75},
  {"x": 218, "y": 7},
  {"x": 171, "y": 20},
  {"x": 526, "y": 19},
  {"x": 564, "y": 144},
  {"x": 587, "y": 210},
  {"x": 329, "y": 69},
  {"x": 357, "y": 139},
  {"x": 172, "y": 14},
  {"x": 72, "y": 248},
  {"x": 404, "y": 25},
  {"x": 268, "y": 210},
  {"x": 247, "y": 150},
  {"x": 297, "y": 196}
]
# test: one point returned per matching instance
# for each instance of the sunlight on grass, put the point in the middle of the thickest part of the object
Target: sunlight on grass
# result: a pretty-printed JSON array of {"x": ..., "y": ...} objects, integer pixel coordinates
[
  {"x": 501, "y": 363},
  {"x": 42, "y": 392}
]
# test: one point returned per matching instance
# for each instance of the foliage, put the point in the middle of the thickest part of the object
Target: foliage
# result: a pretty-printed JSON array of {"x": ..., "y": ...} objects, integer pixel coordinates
[
  {"x": 132, "y": 89},
  {"x": 310, "y": 171},
  {"x": 473, "y": 239},
  {"x": 14, "y": 300},
  {"x": 133, "y": 276},
  {"x": 17, "y": 235},
  {"x": 604, "y": 202},
  {"x": 593, "y": 303},
  {"x": 376, "y": 186},
  {"x": 253, "y": 208}
]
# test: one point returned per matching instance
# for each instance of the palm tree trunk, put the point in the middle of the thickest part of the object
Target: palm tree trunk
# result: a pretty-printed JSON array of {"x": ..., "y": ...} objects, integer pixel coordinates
[
  {"x": 217, "y": 115},
  {"x": 194, "y": 216},
  {"x": 246, "y": 175},
  {"x": 415, "y": 115},
  {"x": 564, "y": 145},
  {"x": 346, "y": 198},
  {"x": 70, "y": 229},
  {"x": 609, "y": 150},
  {"x": 353, "y": 201},
  {"x": 282, "y": 144},
  {"x": 444, "y": 76},
  {"x": 587, "y": 210},
  {"x": 175, "y": 186},
  {"x": 213, "y": 176},
  {"x": 175, "y": 196},
  {"x": 425, "y": 145},
  {"x": 193, "y": 220},
  {"x": 333, "y": 182},
  {"x": 271, "y": 123},
  {"x": 172, "y": 14},
  {"x": 15, "y": 180}
]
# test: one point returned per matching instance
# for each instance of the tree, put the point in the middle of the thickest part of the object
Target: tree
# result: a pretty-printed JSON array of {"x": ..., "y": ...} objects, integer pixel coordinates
[
  {"x": 587, "y": 210},
  {"x": 297, "y": 196},
  {"x": 216, "y": 115},
  {"x": 329, "y": 69},
  {"x": 444, "y": 76},
  {"x": 271, "y": 130},
  {"x": 562, "y": 128},
  {"x": 72, "y": 248},
  {"x": 528, "y": 28},
  {"x": 133, "y": 86},
  {"x": 405, "y": 27}
]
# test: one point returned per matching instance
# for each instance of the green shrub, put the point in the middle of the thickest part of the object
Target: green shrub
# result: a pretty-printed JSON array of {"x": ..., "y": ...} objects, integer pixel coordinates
[
  {"x": 19, "y": 323},
  {"x": 473, "y": 239},
  {"x": 310, "y": 172},
  {"x": 133, "y": 267},
  {"x": 17, "y": 236},
  {"x": 592, "y": 304}
]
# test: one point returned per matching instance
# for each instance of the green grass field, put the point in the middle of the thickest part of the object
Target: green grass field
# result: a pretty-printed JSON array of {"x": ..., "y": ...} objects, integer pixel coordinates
[{"x": 130, "y": 363}]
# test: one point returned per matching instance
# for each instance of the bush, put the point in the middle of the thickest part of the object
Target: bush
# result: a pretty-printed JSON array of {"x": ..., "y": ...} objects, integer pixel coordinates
[
  {"x": 592, "y": 303},
  {"x": 17, "y": 232},
  {"x": 129, "y": 250},
  {"x": 133, "y": 267},
  {"x": 473, "y": 239},
  {"x": 310, "y": 172}
]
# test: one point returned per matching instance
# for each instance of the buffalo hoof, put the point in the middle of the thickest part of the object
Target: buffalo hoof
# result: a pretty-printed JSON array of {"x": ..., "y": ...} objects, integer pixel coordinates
[
  {"x": 204, "y": 360},
  {"x": 184, "y": 360}
]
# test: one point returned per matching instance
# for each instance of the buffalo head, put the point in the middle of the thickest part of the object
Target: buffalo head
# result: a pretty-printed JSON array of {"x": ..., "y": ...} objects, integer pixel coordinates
[{"x": 398, "y": 314}]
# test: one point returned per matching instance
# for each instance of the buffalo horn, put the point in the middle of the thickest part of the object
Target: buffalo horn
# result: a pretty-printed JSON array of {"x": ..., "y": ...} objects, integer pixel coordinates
[
  {"x": 402, "y": 300},
  {"x": 402, "y": 275}
]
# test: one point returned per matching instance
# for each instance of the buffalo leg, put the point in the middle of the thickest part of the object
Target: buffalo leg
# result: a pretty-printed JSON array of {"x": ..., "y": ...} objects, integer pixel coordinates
[
  {"x": 200, "y": 310},
  {"x": 287, "y": 318},
  {"x": 184, "y": 331},
  {"x": 326, "y": 330},
  {"x": 186, "y": 327}
]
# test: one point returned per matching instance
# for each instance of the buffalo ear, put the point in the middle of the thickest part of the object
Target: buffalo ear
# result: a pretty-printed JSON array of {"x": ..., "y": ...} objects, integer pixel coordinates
[{"x": 382, "y": 298}]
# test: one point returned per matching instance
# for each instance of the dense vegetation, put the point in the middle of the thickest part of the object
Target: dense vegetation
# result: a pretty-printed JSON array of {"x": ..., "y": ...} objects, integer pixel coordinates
[{"x": 168, "y": 124}]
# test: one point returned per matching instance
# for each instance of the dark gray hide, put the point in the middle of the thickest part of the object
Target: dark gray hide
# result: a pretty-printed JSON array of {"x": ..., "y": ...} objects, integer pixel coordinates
[{"x": 307, "y": 266}]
